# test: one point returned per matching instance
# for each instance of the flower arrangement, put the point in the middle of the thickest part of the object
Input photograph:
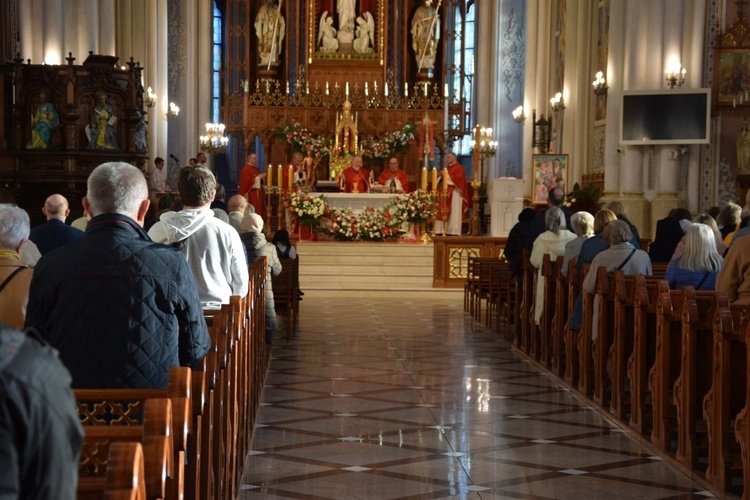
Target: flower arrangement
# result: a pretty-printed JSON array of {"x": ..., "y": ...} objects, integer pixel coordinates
[
  {"x": 304, "y": 141},
  {"x": 307, "y": 209},
  {"x": 415, "y": 207},
  {"x": 583, "y": 199},
  {"x": 393, "y": 142},
  {"x": 368, "y": 225}
]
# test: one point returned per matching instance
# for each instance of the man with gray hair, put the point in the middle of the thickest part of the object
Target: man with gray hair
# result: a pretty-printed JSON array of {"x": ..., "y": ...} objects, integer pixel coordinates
[
  {"x": 121, "y": 309},
  {"x": 15, "y": 277}
]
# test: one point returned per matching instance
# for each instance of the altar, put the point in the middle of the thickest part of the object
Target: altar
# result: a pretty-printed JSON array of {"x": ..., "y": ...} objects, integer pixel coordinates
[{"x": 357, "y": 201}]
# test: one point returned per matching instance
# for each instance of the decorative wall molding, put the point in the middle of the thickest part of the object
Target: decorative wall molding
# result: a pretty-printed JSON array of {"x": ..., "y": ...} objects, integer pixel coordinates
[
  {"x": 177, "y": 47},
  {"x": 513, "y": 55},
  {"x": 598, "y": 147}
]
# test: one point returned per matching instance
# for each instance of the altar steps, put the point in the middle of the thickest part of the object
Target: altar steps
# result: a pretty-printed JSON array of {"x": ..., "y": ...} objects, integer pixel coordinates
[{"x": 396, "y": 270}]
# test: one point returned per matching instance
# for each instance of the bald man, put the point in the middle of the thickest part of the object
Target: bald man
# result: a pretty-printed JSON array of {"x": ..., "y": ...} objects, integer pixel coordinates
[
  {"x": 54, "y": 233},
  {"x": 237, "y": 207}
]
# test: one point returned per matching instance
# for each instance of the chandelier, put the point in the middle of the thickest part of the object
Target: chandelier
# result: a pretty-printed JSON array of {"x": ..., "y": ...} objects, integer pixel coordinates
[{"x": 214, "y": 141}]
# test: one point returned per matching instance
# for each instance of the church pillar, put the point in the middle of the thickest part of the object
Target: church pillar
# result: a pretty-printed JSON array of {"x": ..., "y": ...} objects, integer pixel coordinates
[
  {"x": 52, "y": 32},
  {"x": 88, "y": 28},
  {"x": 107, "y": 30}
]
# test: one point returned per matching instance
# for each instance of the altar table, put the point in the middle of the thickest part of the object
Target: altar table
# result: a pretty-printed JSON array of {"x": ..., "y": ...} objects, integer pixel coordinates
[{"x": 357, "y": 201}]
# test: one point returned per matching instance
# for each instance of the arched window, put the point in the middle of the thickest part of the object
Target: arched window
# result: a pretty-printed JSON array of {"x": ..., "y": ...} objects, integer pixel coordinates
[
  {"x": 462, "y": 38},
  {"x": 218, "y": 50}
]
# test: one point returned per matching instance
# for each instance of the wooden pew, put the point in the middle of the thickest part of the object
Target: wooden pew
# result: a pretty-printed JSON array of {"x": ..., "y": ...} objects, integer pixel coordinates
[
  {"x": 124, "y": 478},
  {"x": 742, "y": 424},
  {"x": 526, "y": 318},
  {"x": 605, "y": 306},
  {"x": 286, "y": 293},
  {"x": 640, "y": 362},
  {"x": 585, "y": 363},
  {"x": 571, "y": 336},
  {"x": 664, "y": 372},
  {"x": 550, "y": 271},
  {"x": 150, "y": 425},
  {"x": 622, "y": 345},
  {"x": 726, "y": 397},
  {"x": 505, "y": 302},
  {"x": 559, "y": 320},
  {"x": 694, "y": 380},
  {"x": 498, "y": 293},
  {"x": 518, "y": 297}
]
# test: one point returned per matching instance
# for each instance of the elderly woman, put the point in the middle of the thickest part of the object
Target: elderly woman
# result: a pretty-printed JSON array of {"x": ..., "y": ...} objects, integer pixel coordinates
[
  {"x": 14, "y": 275},
  {"x": 700, "y": 262},
  {"x": 729, "y": 218},
  {"x": 583, "y": 225},
  {"x": 551, "y": 242},
  {"x": 621, "y": 255}
]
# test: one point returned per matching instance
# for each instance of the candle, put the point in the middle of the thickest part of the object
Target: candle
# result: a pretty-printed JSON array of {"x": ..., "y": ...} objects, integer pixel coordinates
[
  {"x": 423, "y": 180},
  {"x": 290, "y": 176},
  {"x": 287, "y": 87},
  {"x": 445, "y": 91},
  {"x": 307, "y": 88},
  {"x": 280, "y": 176},
  {"x": 406, "y": 89},
  {"x": 366, "y": 89},
  {"x": 347, "y": 89},
  {"x": 326, "y": 88},
  {"x": 386, "y": 89},
  {"x": 445, "y": 181},
  {"x": 375, "y": 86},
  {"x": 434, "y": 179}
]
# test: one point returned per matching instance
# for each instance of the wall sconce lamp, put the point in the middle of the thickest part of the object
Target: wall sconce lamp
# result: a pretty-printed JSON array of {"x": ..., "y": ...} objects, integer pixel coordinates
[
  {"x": 518, "y": 114},
  {"x": 173, "y": 111},
  {"x": 600, "y": 84},
  {"x": 675, "y": 76},
  {"x": 557, "y": 102},
  {"x": 150, "y": 99}
]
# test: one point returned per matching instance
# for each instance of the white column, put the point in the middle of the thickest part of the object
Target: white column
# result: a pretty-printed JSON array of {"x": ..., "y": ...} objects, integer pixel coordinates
[
  {"x": 88, "y": 34},
  {"x": 106, "y": 41},
  {"x": 70, "y": 30}
]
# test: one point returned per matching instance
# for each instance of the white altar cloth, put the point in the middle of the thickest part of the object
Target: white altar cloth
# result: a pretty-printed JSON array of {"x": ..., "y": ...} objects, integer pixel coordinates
[{"x": 356, "y": 201}]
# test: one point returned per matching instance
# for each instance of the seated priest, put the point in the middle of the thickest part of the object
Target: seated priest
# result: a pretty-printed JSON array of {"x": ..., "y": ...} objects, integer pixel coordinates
[
  {"x": 394, "y": 180},
  {"x": 355, "y": 178}
]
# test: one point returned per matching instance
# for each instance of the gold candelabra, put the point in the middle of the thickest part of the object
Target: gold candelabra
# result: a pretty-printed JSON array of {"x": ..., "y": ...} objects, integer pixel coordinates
[{"x": 482, "y": 147}]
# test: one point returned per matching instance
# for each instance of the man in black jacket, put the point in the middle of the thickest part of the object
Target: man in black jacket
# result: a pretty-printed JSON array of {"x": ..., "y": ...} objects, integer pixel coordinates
[
  {"x": 120, "y": 308},
  {"x": 40, "y": 433},
  {"x": 555, "y": 199}
]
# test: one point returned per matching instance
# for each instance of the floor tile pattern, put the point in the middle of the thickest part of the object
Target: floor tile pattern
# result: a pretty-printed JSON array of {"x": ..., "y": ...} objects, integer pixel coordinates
[{"x": 412, "y": 399}]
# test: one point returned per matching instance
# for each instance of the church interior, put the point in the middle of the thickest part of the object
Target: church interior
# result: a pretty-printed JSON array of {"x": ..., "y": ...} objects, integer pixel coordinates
[{"x": 394, "y": 382}]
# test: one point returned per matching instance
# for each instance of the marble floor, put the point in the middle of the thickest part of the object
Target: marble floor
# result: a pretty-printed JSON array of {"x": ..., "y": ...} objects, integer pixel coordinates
[{"x": 412, "y": 399}]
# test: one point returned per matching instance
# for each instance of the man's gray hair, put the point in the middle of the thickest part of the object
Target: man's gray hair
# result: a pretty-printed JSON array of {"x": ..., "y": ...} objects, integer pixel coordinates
[
  {"x": 554, "y": 220},
  {"x": 116, "y": 188},
  {"x": 14, "y": 226}
]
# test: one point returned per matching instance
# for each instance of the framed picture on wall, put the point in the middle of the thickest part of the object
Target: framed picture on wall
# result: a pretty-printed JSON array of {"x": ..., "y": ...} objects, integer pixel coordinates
[{"x": 549, "y": 171}]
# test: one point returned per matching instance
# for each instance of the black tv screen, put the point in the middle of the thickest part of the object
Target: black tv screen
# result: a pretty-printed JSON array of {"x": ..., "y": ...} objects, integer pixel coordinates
[{"x": 665, "y": 117}]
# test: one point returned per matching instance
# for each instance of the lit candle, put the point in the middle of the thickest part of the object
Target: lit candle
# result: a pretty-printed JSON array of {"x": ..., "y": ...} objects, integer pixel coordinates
[
  {"x": 290, "y": 176},
  {"x": 366, "y": 89},
  {"x": 280, "y": 176},
  {"x": 434, "y": 179},
  {"x": 385, "y": 91},
  {"x": 423, "y": 180},
  {"x": 347, "y": 89},
  {"x": 445, "y": 91},
  {"x": 406, "y": 89},
  {"x": 326, "y": 88},
  {"x": 445, "y": 181},
  {"x": 307, "y": 88},
  {"x": 287, "y": 87}
]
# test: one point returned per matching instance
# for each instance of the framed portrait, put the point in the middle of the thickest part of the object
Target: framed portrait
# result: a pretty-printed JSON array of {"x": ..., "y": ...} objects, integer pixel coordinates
[
  {"x": 549, "y": 171},
  {"x": 732, "y": 77}
]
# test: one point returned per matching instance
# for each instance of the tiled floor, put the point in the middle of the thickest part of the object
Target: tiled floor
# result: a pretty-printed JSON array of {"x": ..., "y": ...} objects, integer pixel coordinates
[{"x": 411, "y": 399}]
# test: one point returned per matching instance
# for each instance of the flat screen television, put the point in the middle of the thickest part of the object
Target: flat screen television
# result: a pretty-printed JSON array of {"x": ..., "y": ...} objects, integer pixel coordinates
[{"x": 676, "y": 116}]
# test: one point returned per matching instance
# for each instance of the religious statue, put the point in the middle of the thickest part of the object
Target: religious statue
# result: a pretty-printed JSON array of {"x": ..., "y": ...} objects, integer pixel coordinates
[
  {"x": 270, "y": 29},
  {"x": 346, "y": 12},
  {"x": 140, "y": 139},
  {"x": 327, "y": 40},
  {"x": 102, "y": 132},
  {"x": 365, "y": 34},
  {"x": 43, "y": 123},
  {"x": 743, "y": 149},
  {"x": 425, "y": 32}
]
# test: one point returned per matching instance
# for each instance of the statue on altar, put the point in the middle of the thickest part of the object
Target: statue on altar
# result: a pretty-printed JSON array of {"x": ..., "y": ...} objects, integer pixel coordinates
[
  {"x": 425, "y": 32},
  {"x": 102, "y": 132},
  {"x": 347, "y": 14},
  {"x": 365, "y": 34},
  {"x": 743, "y": 149},
  {"x": 327, "y": 40},
  {"x": 270, "y": 29}
]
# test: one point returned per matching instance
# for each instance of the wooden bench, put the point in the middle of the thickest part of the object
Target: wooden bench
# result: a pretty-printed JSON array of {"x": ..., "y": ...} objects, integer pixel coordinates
[
  {"x": 585, "y": 362},
  {"x": 644, "y": 348},
  {"x": 726, "y": 398},
  {"x": 550, "y": 271},
  {"x": 572, "y": 363},
  {"x": 124, "y": 478},
  {"x": 559, "y": 320},
  {"x": 148, "y": 422},
  {"x": 622, "y": 344},
  {"x": 694, "y": 380},
  {"x": 526, "y": 318},
  {"x": 605, "y": 308},
  {"x": 286, "y": 294}
]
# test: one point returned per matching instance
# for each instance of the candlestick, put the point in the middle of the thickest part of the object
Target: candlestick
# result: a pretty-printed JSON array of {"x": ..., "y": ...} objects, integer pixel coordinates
[
  {"x": 423, "y": 180},
  {"x": 434, "y": 179},
  {"x": 290, "y": 177}
]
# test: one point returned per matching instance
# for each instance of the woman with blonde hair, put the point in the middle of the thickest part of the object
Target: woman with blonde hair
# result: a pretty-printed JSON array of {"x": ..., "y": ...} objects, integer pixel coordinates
[
  {"x": 706, "y": 219},
  {"x": 699, "y": 264},
  {"x": 583, "y": 225}
]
